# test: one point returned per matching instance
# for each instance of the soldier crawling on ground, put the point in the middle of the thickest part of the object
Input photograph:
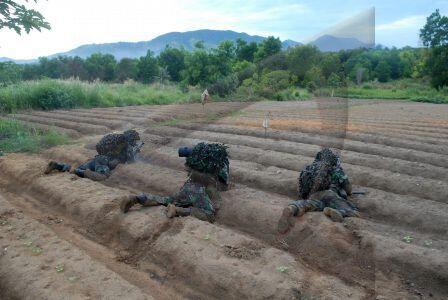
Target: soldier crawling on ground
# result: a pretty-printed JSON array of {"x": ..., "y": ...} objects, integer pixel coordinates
[
  {"x": 113, "y": 149},
  {"x": 323, "y": 186},
  {"x": 208, "y": 172}
]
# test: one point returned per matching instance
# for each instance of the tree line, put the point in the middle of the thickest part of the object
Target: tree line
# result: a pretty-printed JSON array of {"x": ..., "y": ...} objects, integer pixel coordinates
[{"x": 261, "y": 68}]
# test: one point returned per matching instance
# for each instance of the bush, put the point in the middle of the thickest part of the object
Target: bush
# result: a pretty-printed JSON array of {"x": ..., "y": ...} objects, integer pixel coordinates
[
  {"x": 225, "y": 86},
  {"x": 292, "y": 94}
]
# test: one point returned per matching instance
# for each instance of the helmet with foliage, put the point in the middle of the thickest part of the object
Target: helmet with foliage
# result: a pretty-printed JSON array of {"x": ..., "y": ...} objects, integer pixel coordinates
[
  {"x": 131, "y": 137},
  {"x": 208, "y": 158}
]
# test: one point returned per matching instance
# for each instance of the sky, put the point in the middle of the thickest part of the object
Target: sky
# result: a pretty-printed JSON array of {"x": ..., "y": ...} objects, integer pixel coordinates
[{"x": 78, "y": 22}]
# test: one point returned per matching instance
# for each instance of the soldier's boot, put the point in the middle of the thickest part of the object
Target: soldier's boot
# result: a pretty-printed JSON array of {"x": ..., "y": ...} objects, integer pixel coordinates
[
  {"x": 128, "y": 202},
  {"x": 286, "y": 221},
  {"x": 95, "y": 176},
  {"x": 173, "y": 211},
  {"x": 333, "y": 214},
  {"x": 53, "y": 165},
  {"x": 132, "y": 200}
]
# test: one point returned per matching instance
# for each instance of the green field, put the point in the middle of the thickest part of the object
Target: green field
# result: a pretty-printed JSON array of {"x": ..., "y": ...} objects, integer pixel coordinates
[
  {"x": 402, "y": 89},
  {"x": 53, "y": 94},
  {"x": 14, "y": 137}
]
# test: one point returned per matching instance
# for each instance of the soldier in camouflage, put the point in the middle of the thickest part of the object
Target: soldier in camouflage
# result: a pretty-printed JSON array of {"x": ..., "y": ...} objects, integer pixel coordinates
[
  {"x": 112, "y": 149},
  {"x": 208, "y": 172},
  {"x": 323, "y": 186}
]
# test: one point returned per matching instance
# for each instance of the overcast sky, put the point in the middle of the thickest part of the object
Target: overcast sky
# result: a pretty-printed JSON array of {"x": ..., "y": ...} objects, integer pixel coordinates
[{"x": 77, "y": 22}]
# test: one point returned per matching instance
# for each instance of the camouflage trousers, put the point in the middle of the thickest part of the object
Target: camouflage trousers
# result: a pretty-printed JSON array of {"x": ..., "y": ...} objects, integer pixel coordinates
[
  {"x": 328, "y": 198},
  {"x": 192, "y": 195}
]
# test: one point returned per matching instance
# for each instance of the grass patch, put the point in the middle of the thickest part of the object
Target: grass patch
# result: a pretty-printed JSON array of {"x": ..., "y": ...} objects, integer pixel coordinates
[
  {"x": 15, "y": 137},
  {"x": 53, "y": 94},
  {"x": 402, "y": 90}
]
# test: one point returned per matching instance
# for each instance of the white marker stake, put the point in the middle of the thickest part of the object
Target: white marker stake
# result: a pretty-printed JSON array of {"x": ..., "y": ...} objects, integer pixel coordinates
[{"x": 266, "y": 124}]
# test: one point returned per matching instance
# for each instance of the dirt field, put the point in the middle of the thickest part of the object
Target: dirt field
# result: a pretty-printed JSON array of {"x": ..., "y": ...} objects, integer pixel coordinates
[{"x": 62, "y": 237}]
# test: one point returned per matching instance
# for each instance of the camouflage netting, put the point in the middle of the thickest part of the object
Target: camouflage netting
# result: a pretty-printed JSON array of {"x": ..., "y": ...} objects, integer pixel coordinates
[
  {"x": 320, "y": 174},
  {"x": 208, "y": 158},
  {"x": 114, "y": 144}
]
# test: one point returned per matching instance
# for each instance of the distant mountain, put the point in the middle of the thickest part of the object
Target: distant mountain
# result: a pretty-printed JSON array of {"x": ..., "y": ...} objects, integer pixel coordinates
[
  {"x": 187, "y": 40},
  {"x": 329, "y": 43}
]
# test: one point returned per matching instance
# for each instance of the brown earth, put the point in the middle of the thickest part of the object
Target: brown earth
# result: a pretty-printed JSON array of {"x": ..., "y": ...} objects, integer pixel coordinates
[{"x": 62, "y": 237}]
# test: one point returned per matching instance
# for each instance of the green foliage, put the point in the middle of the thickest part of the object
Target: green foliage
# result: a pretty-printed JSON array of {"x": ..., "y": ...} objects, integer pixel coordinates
[
  {"x": 270, "y": 46},
  {"x": 147, "y": 68},
  {"x": 245, "y": 51},
  {"x": 383, "y": 71},
  {"x": 301, "y": 59},
  {"x": 174, "y": 61},
  {"x": 51, "y": 94},
  {"x": 276, "y": 80},
  {"x": 438, "y": 66},
  {"x": 126, "y": 69},
  {"x": 414, "y": 90},
  {"x": 15, "y": 137},
  {"x": 9, "y": 73},
  {"x": 100, "y": 66},
  {"x": 315, "y": 76},
  {"x": 334, "y": 80},
  {"x": 435, "y": 31},
  {"x": 208, "y": 158},
  {"x": 18, "y": 17},
  {"x": 224, "y": 86}
]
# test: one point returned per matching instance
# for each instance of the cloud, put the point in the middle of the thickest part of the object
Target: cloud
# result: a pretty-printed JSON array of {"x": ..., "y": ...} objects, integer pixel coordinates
[{"x": 405, "y": 23}]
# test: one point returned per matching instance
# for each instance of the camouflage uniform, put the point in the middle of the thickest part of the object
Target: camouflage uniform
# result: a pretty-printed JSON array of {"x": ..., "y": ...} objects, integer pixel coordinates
[
  {"x": 323, "y": 186},
  {"x": 112, "y": 149},
  {"x": 199, "y": 195},
  {"x": 195, "y": 197}
]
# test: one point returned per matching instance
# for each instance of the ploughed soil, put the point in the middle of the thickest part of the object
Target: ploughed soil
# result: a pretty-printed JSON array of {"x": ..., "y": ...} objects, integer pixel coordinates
[{"x": 63, "y": 237}]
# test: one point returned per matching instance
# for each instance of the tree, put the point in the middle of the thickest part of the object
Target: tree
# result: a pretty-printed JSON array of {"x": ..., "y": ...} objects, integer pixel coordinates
[
  {"x": 147, "y": 68},
  {"x": 18, "y": 17},
  {"x": 300, "y": 59},
  {"x": 334, "y": 81},
  {"x": 435, "y": 35},
  {"x": 330, "y": 64},
  {"x": 101, "y": 66},
  {"x": 438, "y": 66},
  {"x": 382, "y": 71},
  {"x": 435, "y": 31},
  {"x": 245, "y": 51},
  {"x": 174, "y": 61},
  {"x": 268, "y": 47},
  {"x": 127, "y": 68},
  {"x": 9, "y": 73}
]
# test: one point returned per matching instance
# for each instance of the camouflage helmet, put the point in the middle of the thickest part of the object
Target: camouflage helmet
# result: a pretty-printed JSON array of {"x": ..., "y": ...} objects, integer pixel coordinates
[
  {"x": 327, "y": 156},
  {"x": 208, "y": 158},
  {"x": 131, "y": 136}
]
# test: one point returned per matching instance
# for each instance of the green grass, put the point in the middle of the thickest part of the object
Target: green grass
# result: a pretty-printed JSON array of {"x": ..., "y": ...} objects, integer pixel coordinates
[
  {"x": 402, "y": 89},
  {"x": 15, "y": 137},
  {"x": 53, "y": 94}
]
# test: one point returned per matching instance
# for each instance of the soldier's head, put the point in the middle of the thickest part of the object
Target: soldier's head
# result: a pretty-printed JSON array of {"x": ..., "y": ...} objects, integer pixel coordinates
[
  {"x": 209, "y": 159},
  {"x": 327, "y": 156},
  {"x": 131, "y": 137}
]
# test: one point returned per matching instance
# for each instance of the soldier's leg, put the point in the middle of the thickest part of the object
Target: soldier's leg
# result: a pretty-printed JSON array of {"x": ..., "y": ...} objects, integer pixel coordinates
[
  {"x": 337, "y": 208},
  {"x": 146, "y": 200},
  {"x": 296, "y": 208},
  {"x": 57, "y": 166}
]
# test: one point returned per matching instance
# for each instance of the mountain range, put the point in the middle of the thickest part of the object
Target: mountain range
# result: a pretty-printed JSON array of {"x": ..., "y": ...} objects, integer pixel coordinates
[{"x": 187, "y": 40}]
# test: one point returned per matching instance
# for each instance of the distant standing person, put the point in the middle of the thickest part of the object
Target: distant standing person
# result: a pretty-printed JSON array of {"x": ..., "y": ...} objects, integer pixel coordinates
[{"x": 205, "y": 97}]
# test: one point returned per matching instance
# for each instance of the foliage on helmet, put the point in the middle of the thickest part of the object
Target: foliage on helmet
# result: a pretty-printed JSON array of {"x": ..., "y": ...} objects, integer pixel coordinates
[{"x": 208, "y": 158}]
